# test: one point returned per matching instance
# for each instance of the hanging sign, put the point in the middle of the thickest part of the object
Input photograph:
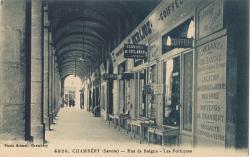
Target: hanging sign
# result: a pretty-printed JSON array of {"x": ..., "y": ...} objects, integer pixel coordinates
[
  {"x": 126, "y": 76},
  {"x": 109, "y": 76},
  {"x": 180, "y": 42},
  {"x": 135, "y": 51}
]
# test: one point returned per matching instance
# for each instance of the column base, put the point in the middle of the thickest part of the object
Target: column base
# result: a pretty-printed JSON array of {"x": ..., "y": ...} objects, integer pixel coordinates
[
  {"x": 46, "y": 123},
  {"x": 51, "y": 118},
  {"x": 38, "y": 134}
]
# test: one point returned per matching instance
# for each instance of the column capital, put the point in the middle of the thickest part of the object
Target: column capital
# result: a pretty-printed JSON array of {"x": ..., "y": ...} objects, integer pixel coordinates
[{"x": 46, "y": 22}]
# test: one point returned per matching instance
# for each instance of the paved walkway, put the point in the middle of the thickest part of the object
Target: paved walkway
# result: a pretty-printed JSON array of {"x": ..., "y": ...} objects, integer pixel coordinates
[{"x": 80, "y": 126}]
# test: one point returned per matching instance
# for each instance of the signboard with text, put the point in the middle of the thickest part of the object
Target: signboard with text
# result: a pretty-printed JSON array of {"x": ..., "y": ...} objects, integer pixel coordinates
[
  {"x": 180, "y": 42},
  {"x": 135, "y": 51},
  {"x": 210, "y": 19},
  {"x": 210, "y": 94},
  {"x": 126, "y": 76},
  {"x": 109, "y": 76}
]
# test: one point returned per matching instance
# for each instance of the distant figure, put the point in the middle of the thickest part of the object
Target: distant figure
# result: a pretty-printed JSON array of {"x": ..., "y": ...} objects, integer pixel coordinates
[{"x": 71, "y": 103}]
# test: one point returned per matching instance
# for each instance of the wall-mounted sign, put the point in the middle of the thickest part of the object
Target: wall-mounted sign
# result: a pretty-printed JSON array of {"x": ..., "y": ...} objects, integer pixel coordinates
[
  {"x": 210, "y": 18},
  {"x": 180, "y": 42},
  {"x": 109, "y": 76},
  {"x": 135, "y": 51},
  {"x": 210, "y": 94},
  {"x": 168, "y": 10},
  {"x": 154, "y": 50},
  {"x": 126, "y": 76}
]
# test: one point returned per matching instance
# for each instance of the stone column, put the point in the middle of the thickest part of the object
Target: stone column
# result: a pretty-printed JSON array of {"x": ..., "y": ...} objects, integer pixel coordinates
[
  {"x": 37, "y": 126},
  {"x": 12, "y": 69},
  {"x": 46, "y": 69},
  {"x": 62, "y": 91},
  {"x": 52, "y": 86},
  {"x": 116, "y": 98},
  {"x": 56, "y": 92},
  {"x": 50, "y": 77}
]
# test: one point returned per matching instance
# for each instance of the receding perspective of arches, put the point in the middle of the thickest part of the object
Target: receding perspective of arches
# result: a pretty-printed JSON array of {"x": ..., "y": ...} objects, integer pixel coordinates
[{"x": 124, "y": 77}]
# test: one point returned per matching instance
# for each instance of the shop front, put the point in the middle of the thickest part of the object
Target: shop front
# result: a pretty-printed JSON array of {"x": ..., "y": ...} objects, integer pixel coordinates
[{"x": 188, "y": 79}]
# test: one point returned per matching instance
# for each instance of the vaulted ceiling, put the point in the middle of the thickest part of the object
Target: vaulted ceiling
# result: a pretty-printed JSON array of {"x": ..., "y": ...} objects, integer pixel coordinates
[{"x": 83, "y": 31}]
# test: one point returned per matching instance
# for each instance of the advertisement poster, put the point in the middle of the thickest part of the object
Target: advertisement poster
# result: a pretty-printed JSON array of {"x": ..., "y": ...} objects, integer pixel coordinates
[{"x": 124, "y": 78}]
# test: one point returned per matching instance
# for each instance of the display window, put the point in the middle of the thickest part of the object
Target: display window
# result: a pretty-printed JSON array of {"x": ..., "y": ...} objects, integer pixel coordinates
[
  {"x": 142, "y": 93},
  {"x": 151, "y": 98},
  {"x": 177, "y": 77}
]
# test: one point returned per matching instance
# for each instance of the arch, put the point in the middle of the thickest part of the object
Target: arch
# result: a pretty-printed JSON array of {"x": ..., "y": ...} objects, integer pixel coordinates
[
  {"x": 86, "y": 44},
  {"x": 74, "y": 46}
]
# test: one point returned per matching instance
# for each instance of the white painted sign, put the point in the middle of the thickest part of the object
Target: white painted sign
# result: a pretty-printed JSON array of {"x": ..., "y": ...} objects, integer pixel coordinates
[{"x": 210, "y": 95}]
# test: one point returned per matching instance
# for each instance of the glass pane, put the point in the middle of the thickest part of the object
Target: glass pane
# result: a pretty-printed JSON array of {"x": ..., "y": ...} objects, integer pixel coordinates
[
  {"x": 187, "y": 91},
  {"x": 142, "y": 97},
  {"x": 172, "y": 92},
  {"x": 151, "y": 102}
]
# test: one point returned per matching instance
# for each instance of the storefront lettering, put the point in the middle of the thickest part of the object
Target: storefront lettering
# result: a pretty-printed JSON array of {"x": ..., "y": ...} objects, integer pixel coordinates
[
  {"x": 211, "y": 86},
  {"x": 210, "y": 18},
  {"x": 211, "y": 90},
  {"x": 144, "y": 31},
  {"x": 181, "y": 42},
  {"x": 211, "y": 135},
  {"x": 209, "y": 107},
  {"x": 210, "y": 128},
  {"x": 170, "y": 9},
  {"x": 210, "y": 78},
  {"x": 210, "y": 117},
  {"x": 205, "y": 50},
  {"x": 210, "y": 95}
]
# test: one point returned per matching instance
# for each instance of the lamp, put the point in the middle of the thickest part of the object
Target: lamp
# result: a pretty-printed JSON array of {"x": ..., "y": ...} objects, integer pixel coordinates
[
  {"x": 190, "y": 32},
  {"x": 169, "y": 41}
]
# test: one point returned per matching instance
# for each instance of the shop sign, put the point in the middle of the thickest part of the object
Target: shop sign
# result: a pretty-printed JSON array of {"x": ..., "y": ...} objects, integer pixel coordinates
[
  {"x": 210, "y": 18},
  {"x": 126, "y": 76},
  {"x": 180, "y": 42},
  {"x": 170, "y": 9},
  {"x": 144, "y": 31},
  {"x": 109, "y": 76},
  {"x": 135, "y": 51},
  {"x": 210, "y": 92},
  {"x": 154, "y": 51}
]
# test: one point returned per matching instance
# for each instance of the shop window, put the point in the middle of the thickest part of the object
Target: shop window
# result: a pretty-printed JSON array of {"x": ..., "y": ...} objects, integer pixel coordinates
[
  {"x": 122, "y": 89},
  {"x": 172, "y": 92},
  {"x": 103, "y": 96},
  {"x": 187, "y": 90},
  {"x": 142, "y": 93},
  {"x": 151, "y": 101}
]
